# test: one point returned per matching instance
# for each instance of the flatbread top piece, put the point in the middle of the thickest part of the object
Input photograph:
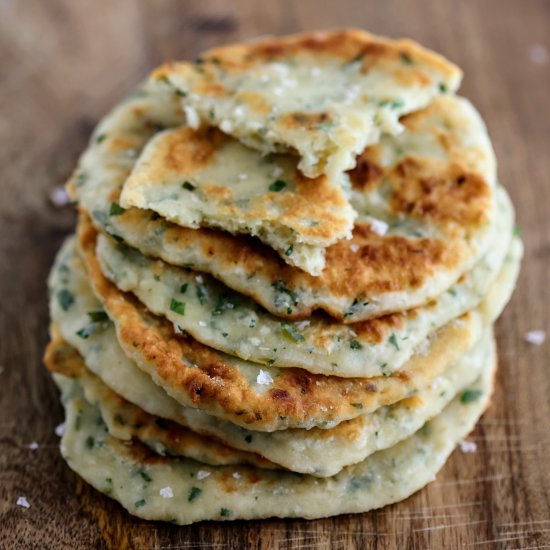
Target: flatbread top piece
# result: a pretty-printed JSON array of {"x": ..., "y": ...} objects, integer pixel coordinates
[
  {"x": 323, "y": 95},
  {"x": 202, "y": 177},
  {"x": 410, "y": 243},
  {"x": 240, "y": 492}
]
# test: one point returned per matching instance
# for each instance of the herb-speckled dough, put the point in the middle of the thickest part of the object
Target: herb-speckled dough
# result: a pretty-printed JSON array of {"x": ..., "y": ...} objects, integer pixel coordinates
[
  {"x": 316, "y": 451},
  {"x": 202, "y": 178},
  {"x": 173, "y": 490},
  {"x": 260, "y": 397},
  {"x": 444, "y": 154},
  {"x": 325, "y": 96},
  {"x": 225, "y": 320}
]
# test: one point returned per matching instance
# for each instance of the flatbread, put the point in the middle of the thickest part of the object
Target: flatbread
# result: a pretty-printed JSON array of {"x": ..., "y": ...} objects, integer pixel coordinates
[
  {"x": 202, "y": 178},
  {"x": 174, "y": 491},
  {"x": 225, "y": 320},
  {"x": 316, "y": 451},
  {"x": 126, "y": 421},
  {"x": 438, "y": 226},
  {"x": 247, "y": 394},
  {"x": 323, "y": 95},
  {"x": 322, "y": 453}
]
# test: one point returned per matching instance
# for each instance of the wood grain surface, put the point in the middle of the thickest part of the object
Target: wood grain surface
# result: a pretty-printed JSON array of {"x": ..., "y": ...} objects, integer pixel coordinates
[{"x": 63, "y": 63}]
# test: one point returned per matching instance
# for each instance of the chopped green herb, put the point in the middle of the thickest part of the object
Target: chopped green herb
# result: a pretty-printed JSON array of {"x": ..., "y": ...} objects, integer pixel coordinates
[
  {"x": 395, "y": 104},
  {"x": 145, "y": 476},
  {"x": 77, "y": 422},
  {"x": 116, "y": 209},
  {"x": 140, "y": 503},
  {"x": 181, "y": 93},
  {"x": 87, "y": 331},
  {"x": 163, "y": 78},
  {"x": 406, "y": 58},
  {"x": 90, "y": 442},
  {"x": 443, "y": 88},
  {"x": 188, "y": 185},
  {"x": 469, "y": 396},
  {"x": 393, "y": 341},
  {"x": 289, "y": 251},
  {"x": 280, "y": 286},
  {"x": 183, "y": 288},
  {"x": 109, "y": 479},
  {"x": 354, "y": 344},
  {"x": 177, "y": 307},
  {"x": 517, "y": 231},
  {"x": 270, "y": 362},
  {"x": 98, "y": 316},
  {"x": 248, "y": 438},
  {"x": 452, "y": 291},
  {"x": 100, "y": 138},
  {"x": 225, "y": 513},
  {"x": 202, "y": 294},
  {"x": 224, "y": 302},
  {"x": 292, "y": 331},
  {"x": 277, "y": 186},
  {"x": 193, "y": 494},
  {"x": 357, "y": 405},
  {"x": 80, "y": 178},
  {"x": 65, "y": 299},
  {"x": 356, "y": 58}
]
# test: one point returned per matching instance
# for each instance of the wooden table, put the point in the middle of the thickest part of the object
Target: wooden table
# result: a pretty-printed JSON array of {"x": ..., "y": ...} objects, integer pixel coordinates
[{"x": 63, "y": 63}]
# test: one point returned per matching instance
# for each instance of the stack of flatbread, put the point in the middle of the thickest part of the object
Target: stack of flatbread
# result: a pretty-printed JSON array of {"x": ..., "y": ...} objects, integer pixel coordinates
[{"x": 280, "y": 295}]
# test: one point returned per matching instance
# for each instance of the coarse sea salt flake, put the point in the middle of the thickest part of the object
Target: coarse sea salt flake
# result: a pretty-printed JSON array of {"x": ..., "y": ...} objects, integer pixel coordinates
[
  {"x": 166, "y": 492},
  {"x": 264, "y": 378},
  {"x": 236, "y": 475},
  {"x": 60, "y": 429},
  {"x": 23, "y": 502},
  {"x": 468, "y": 446},
  {"x": 199, "y": 279},
  {"x": 301, "y": 325},
  {"x": 535, "y": 337},
  {"x": 202, "y": 323},
  {"x": 192, "y": 116},
  {"x": 33, "y": 445},
  {"x": 379, "y": 227},
  {"x": 354, "y": 247},
  {"x": 202, "y": 474},
  {"x": 59, "y": 197},
  {"x": 226, "y": 126}
]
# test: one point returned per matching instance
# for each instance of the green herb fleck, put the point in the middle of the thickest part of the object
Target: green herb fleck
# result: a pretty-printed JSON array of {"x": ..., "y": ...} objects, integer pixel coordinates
[
  {"x": 90, "y": 442},
  {"x": 201, "y": 294},
  {"x": 100, "y": 138},
  {"x": 177, "y": 307},
  {"x": 188, "y": 185},
  {"x": 469, "y": 396},
  {"x": 140, "y": 503},
  {"x": 357, "y": 405},
  {"x": 356, "y": 58},
  {"x": 290, "y": 330},
  {"x": 225, "y": 513},
  {"x": 452, "y": 291},
  {"x": 116, "y": 209},
  {"x": 193, "y": 494},
  {"x": 517, "y": 231},
  {"x": 277, "y": 186},
  {"x": 280, "y": 286},
  {"x": 393, "y": 341},
  {"x": 80, "y": 178},
  {"x": 270, "y": 362},
  {"x": 443, "y": 88},
  {"x": 65, "y": 299},
  {"x": 183, "y": 288},
  {"x": 406, "y": 58},
  {"x": 289, "y": 251},
  {"x": 87, "y": 331},
  {"x": 98, "y": 316},
  {"x": 181, "y": 93},
  {"x": 354, "y": 344},
  {"x": 248, "y": 438},
  {"x": 145, "y": 476}
]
